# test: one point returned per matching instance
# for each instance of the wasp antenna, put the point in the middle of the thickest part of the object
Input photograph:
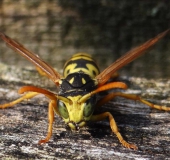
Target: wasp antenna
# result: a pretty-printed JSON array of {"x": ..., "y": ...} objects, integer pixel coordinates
[
  {"x": 64, "y": 99},
  {"x": 105, "y": 87}
]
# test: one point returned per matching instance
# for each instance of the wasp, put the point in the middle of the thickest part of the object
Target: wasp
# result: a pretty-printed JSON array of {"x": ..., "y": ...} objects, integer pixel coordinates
[{"x": 79, "y": 87}]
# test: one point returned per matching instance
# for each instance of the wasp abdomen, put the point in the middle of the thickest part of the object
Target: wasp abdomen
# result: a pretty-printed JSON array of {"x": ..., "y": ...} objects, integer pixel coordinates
[{"x": 81, "y": 62}]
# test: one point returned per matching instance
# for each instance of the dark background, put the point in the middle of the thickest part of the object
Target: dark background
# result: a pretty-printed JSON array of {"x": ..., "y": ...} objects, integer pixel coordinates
[{"x": 106, "y": 29}]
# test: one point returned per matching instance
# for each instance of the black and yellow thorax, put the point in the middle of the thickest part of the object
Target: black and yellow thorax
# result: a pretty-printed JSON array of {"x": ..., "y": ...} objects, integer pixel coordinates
[{"x": 79, "y": 72}]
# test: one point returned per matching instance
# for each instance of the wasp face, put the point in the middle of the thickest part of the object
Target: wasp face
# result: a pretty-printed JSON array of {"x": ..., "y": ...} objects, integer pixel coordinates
[{"x": 76, "y": 113}]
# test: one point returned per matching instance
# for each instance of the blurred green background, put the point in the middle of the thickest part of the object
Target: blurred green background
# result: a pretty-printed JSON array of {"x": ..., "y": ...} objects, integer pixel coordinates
[{"x": 106, "y": 29}]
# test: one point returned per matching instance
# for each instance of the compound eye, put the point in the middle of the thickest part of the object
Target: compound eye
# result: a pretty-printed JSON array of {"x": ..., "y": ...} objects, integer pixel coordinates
[
  {"x": 62, "y": 109},
  {"x": 88, "y": 108}
]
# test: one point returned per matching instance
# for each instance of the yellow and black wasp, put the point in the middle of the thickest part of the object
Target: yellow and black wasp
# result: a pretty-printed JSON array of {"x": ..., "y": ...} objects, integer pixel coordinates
[{"x": 78, "y": 87}]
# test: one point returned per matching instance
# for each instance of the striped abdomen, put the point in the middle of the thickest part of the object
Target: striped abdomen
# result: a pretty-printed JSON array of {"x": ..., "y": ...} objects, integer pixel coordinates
[{"x": 81, "y": 62}]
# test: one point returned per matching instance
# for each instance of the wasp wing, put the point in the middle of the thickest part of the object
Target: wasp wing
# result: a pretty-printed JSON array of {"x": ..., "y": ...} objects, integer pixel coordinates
[
  {"x": 19, "y": 48},
  {"x": 105, "y": 75}
]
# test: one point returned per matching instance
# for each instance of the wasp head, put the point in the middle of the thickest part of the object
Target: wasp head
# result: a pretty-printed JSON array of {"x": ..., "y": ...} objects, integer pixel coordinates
[{"x": 76, "y": 113}]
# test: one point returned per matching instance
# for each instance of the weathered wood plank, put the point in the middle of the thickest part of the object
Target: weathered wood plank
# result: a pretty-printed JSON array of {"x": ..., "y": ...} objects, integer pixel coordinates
[{"x": 22, "y": 126}]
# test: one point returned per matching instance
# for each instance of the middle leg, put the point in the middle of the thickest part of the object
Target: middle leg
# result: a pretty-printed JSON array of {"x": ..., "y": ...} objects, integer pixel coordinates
[
  {"x": 25, "y": 97},
  {"x": 132, "y": 97}
]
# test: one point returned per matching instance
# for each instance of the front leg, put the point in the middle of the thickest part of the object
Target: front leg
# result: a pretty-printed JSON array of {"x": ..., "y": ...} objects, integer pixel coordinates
[
  {"x": 114, "y": 128},
  {"x": 51, "y": 107}
]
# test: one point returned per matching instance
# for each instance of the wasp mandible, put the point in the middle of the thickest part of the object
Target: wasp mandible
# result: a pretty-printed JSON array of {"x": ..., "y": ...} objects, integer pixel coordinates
[{"x": 79, "y": 86}]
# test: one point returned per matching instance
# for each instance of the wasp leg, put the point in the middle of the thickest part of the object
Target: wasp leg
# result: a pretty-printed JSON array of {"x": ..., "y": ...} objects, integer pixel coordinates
[
  {"x": 26, "y": 96},
  {"x": 132, "y": 97},
  {"x": 41, "y": 72},
  {"x": 114, "y": 75},
  {"x": 51, "y": 107},
  {"x": 114, "y": 128}
]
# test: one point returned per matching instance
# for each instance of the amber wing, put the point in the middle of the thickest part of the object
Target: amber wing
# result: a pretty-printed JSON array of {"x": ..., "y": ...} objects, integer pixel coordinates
[
  {"x": 105, "y": 75},
  {"x": 19, "y": 48}
]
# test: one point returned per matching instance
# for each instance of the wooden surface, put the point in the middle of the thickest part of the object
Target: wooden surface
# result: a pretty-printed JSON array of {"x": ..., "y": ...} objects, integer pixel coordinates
[{"x": 22, "y": 126}]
